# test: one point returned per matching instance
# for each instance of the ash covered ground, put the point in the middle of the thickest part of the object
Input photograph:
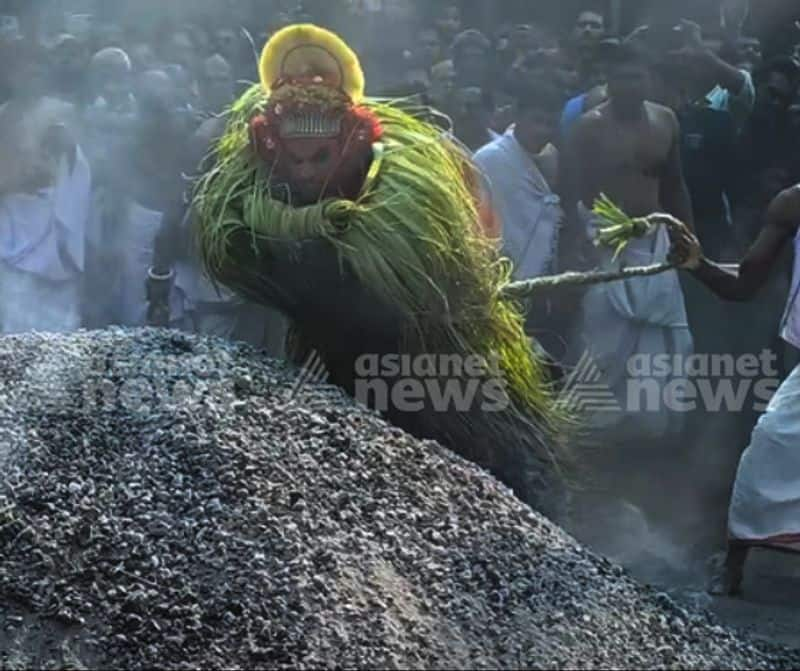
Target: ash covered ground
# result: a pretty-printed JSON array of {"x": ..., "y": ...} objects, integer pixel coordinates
[{"x": 178, "y": 502}]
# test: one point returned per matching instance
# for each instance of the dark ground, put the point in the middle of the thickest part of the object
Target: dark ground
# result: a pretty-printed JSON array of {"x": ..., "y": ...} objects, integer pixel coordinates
[{"x": 220, "y": 521}]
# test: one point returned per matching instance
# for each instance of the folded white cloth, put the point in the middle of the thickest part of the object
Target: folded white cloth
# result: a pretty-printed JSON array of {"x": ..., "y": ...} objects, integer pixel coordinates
[
  {"x": 765, "y": 507},
  {"x": 639, "y": 317}
]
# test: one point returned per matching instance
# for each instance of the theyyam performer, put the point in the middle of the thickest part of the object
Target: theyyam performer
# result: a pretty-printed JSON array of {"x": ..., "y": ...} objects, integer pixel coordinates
[{"x": 360, "y": 220}]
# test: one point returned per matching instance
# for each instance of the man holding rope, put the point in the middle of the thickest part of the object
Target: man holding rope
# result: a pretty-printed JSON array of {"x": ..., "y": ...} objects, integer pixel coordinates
[
  {"x": 627, "y": 148},
  {"x": 765, "y": 507}
]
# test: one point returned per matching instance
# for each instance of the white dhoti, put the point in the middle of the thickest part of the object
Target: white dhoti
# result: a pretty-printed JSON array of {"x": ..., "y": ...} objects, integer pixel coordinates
[
  {"x": 765, "y": 508},
  {"x": 643, "y": 317},
  {"x": 30, "y": 302}
]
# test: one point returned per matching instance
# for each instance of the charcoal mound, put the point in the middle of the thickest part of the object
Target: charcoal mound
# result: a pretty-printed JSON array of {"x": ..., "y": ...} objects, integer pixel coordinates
[{"x": 177, "y": 502}]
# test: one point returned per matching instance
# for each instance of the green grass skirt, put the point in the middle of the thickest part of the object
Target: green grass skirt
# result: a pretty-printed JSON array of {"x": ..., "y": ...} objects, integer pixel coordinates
[{"x": 411, "y": 236}]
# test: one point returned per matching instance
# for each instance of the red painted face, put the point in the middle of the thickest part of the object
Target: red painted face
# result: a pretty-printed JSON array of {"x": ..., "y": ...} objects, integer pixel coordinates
[
  {"x": 318, "y": 168},
  {"x": 309, "y": 166}
]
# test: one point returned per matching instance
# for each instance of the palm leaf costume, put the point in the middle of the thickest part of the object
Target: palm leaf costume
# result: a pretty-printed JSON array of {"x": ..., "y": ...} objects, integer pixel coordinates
[{"x": 400, "y": 268}]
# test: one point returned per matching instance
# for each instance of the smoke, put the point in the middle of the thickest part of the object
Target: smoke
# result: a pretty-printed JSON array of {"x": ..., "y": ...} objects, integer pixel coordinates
[{"x": 660, "y": 507}]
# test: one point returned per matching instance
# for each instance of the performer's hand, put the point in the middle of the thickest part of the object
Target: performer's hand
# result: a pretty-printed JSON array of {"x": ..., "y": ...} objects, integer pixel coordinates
[
  {"x": 686, "y": 251},
  {"x": 158, "y": 293}
]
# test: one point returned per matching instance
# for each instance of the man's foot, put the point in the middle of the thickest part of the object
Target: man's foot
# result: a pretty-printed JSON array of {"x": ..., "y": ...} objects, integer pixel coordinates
[
  {"x": 725, "y": 583},
  {"x": 728, "y": 572}
]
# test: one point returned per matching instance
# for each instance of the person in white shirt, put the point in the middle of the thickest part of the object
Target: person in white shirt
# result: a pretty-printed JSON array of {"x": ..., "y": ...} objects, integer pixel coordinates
[
  {"x": 45, "y": 187},
  {"x": 520, "y": 169}
]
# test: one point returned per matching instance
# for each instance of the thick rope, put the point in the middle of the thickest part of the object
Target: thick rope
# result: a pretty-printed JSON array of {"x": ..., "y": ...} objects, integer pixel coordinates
[{"x": 527, "y": 288}]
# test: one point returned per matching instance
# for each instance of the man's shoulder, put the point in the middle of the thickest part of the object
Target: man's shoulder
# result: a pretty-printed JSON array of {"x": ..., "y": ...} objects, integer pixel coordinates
[
  {"x": 662, "y": 118},
  {"x": 659, "y": 111},
  {"x": 789, "y": 200},
  {"x": 784, "y": 211},
  {"x": 491, "y": 152},
  {"x": 594, "y": 118},
  {"x": 596, "y": 96}
]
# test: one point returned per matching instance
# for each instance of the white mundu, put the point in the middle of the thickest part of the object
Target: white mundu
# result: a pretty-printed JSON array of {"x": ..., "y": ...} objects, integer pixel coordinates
[
  {"x": 643, "y": 316},
  {"x": 765, "y": 507}
]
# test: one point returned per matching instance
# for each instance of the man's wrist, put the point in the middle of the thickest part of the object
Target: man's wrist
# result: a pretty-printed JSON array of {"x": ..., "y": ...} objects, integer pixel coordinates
[{"x": 703, "y": 266}]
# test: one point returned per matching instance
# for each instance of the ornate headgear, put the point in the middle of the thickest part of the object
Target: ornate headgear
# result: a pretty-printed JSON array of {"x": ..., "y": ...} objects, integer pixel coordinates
[
  {"x": 315, "y": 85},
  {"x": 307, "y": 54}
]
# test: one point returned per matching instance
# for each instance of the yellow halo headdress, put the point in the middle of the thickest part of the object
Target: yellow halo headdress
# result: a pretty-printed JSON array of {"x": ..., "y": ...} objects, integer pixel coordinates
[{"x": 306, "y": 51}]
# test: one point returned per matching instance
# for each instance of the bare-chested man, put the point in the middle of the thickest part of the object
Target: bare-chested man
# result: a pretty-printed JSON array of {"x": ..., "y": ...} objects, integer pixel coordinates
[
  {"x": 627, "y": 149},
  {"x": 765, "y": 507}
]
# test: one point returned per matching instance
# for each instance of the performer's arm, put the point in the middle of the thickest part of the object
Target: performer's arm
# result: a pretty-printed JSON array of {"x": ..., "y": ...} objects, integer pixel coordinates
[
  {"x": 170, "y": 243},
  {"x": 307, "y": 281},
  {"x": 173, "y": 239},
  {"x": 782, "y": 219}
]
